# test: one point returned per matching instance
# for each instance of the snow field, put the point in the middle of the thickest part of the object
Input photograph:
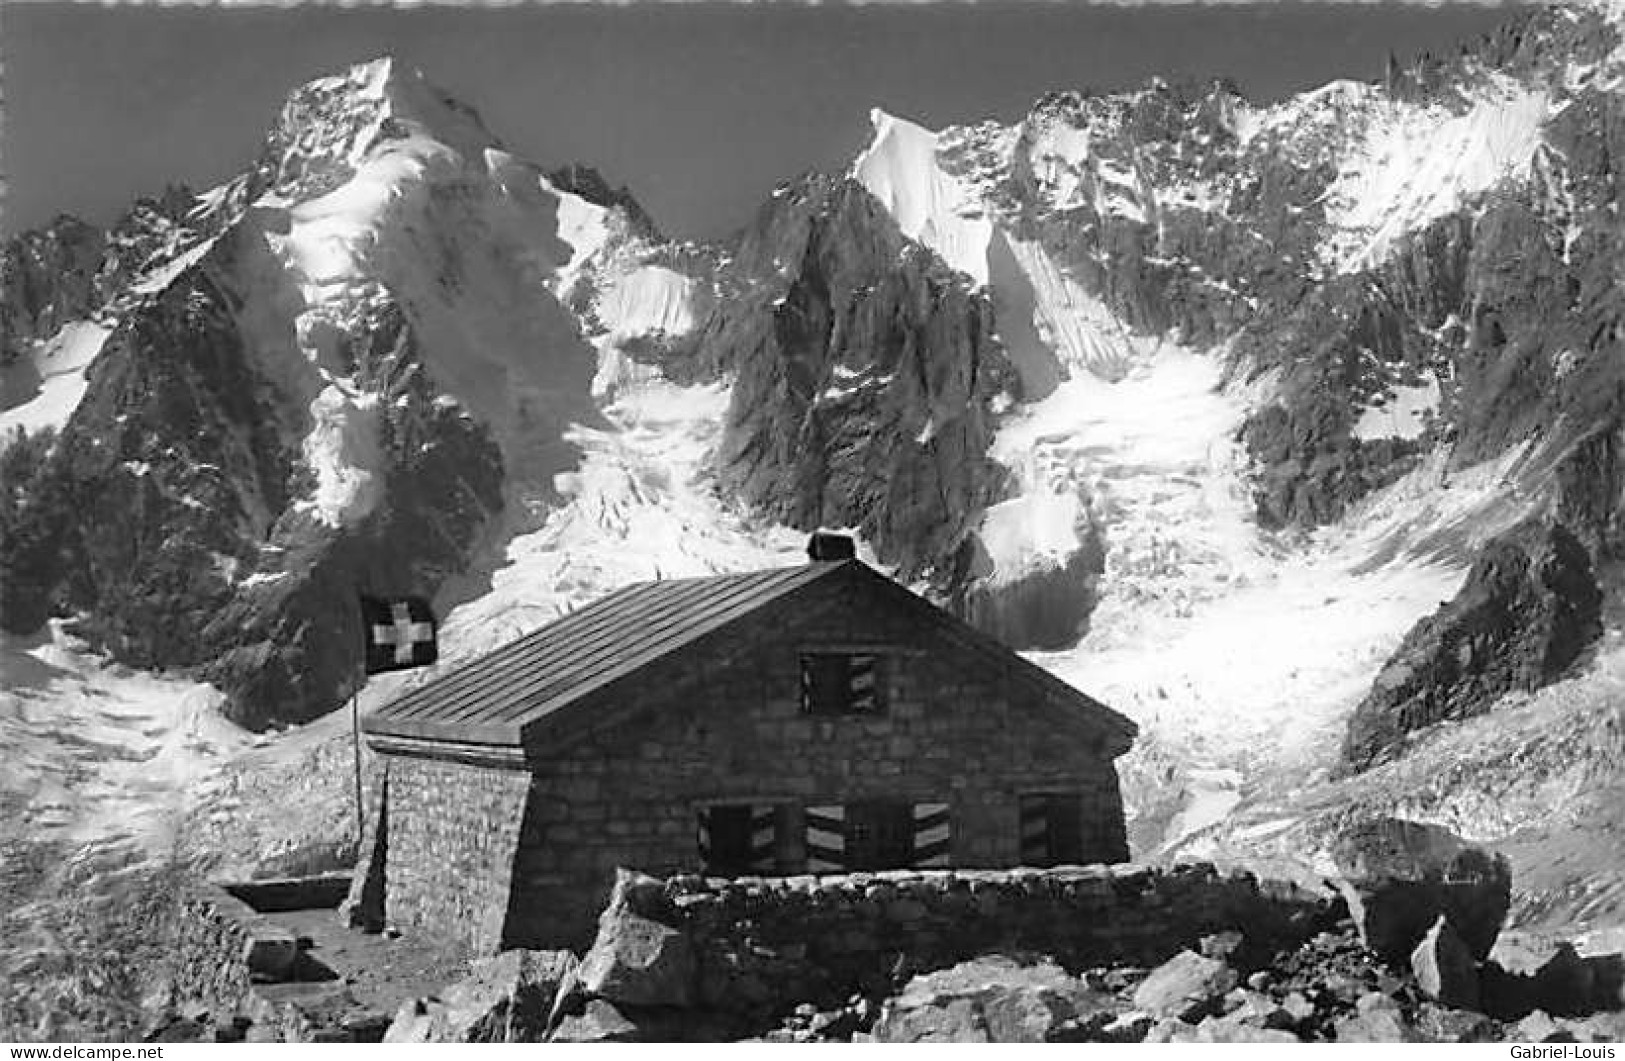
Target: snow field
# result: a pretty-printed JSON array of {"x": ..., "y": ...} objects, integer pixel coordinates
[
  {"x": 43, "y": 389},
  {"x": 1416, "y": 165}
]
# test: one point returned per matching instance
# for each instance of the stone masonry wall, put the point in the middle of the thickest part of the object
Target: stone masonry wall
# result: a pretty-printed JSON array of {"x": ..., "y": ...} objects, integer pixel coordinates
[
  {"x": 205, "y": 949},
  {"x": 771, "y": 943},
  {"x": 725, "y": 726},
  {"x": 453, "y": 836}
]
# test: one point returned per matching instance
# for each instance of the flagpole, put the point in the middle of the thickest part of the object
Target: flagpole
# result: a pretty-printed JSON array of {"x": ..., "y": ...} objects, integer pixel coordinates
[{"x": 355, "y": 736}]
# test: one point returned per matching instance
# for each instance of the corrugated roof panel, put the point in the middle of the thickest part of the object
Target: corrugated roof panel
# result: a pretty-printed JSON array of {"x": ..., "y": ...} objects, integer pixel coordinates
[{"x": 581, "y": 652}]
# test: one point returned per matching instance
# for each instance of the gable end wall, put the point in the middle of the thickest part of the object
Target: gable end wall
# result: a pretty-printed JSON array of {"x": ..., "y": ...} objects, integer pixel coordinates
[
  {"x": 723, "y": 724},
  {"x": 453, "y": 840}
]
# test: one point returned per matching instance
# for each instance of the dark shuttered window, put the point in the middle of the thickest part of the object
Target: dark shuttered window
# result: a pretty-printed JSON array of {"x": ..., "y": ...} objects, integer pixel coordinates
[
  {"x": 739, "y": 839},
  {"x": 842, "y": 683},
  {"x": 1052, "y": 829},
  {"x": 878, "y": 834}
]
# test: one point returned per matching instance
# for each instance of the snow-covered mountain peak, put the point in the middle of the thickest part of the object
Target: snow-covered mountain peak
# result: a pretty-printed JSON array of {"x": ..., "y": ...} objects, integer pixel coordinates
[
  {"x": 327, "y": 126},
  {"x": 899, "y": 167}
]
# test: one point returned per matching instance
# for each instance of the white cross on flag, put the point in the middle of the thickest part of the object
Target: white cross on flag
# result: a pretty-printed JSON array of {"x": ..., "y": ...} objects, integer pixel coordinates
[{"x": 400, "y": 633}]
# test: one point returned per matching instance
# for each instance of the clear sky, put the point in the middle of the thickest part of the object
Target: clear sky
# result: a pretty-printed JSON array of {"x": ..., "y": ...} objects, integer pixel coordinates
[{"x": 700, "y": 108}]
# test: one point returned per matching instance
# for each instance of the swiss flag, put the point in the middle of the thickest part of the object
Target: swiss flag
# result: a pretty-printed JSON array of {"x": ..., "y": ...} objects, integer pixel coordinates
[{"x": 399, "y": 632}]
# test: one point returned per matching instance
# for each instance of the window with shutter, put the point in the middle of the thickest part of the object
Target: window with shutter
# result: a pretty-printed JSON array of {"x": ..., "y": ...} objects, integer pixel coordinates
[
  {"x": 739, "y": 839},
  {"x": 880, "y": 835},
  {"x": 1052, "y": 829},
  {"x": 876, "y": 835},
  {"x": 842, "y": 683}
]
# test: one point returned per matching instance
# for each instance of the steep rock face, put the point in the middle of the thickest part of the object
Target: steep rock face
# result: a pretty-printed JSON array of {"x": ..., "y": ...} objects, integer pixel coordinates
[
  {"x": 1341, "y": 350},
  {"x": 592, "y": 186},
  {"x": 1491, "y": 324},
  {"x": 169, "y": 513},
  {"x": 283, "y": 644},
  {"x": 174, "y": 390},
  {"x": 71, "y": 270},
  {"x": 867, "y": 379},
  {"x": 1044, "y": 607},
  {"x": 47, "y": 278},
  {"x": 1530, "y": 606},
  {"x": 1404, "y": 264}
]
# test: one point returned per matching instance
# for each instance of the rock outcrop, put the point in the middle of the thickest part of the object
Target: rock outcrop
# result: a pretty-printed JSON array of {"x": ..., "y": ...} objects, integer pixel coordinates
[
  {"x": 1445, "y": 969},
  {"x": 71, "y": 270},
  {"x": 993, "y": 999},
  {"x": 636, "y": 960},
  {"x": 173, "y": 512},
  {"x": 1529, "y": 608},
  {"x": 1400, "y": 877},
  {"x": 1185, "y": 987},
  {"x": 504, "y": 999},
  {"x": 47, "y": 278},
  {"x": 867, "y": 379}
]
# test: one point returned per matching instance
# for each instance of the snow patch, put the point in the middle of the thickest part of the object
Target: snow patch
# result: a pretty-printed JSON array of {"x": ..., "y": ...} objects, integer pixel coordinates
[
  {"x": 1031, "y": 534},
  {"x": 96, "y": 750},
  {"x": 342, "y": 449},
  {"x": 1070, "y": 323},
  {"x": 1335, "y": 102},
  {"x": 473, "y": 244},
  {"x": 43, "y": 388},
  {"x": 1404, "y": 414},
  {"x": 1418, "y": 164},
  {"x": 649, "y": 300},
  {"x": 640, "y": 506}
]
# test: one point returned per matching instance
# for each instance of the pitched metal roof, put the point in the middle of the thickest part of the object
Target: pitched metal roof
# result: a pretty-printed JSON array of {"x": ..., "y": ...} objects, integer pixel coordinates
[{"x": 490, "y": 699}]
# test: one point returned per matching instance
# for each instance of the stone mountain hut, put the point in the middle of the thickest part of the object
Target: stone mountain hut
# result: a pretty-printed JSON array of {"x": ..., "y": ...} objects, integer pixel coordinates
[{"x": 811, "y": 719}]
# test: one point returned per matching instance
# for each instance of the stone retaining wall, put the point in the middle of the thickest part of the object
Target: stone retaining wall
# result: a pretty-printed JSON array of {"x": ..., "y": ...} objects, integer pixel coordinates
[
  {"x": 208, "y": 947},
  {"x": 220, "y": 945},
  {"x": 318, "y": 892},
  {"x": 770, "y": 943}
]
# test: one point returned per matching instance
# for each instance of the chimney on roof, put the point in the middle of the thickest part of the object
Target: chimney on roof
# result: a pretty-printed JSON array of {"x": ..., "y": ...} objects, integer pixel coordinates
[{"x": 826, "y": 548}]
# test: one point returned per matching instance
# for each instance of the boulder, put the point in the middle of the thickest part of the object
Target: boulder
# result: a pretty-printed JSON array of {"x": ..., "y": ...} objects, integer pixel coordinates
[
  {"x": 1376, "y": 1019},
  {"x": 1298, "y": 1007},
  {"x": 1187, "y": 986},
  {"x": 1444, "y": 969},
  {"x": 598, "y": 1022},
  {"x": 994, "y": 999},
  {"x": 1221, "y": 946},
  {"x": 506, "y": 998},
  {"x": 1566, "y": 984},
  {"x": 1537, "y": 1027},
  {"x": 1605, "y": 1027},
  {"x": 635, "y": 959},
  {"x": 1240, "y": 1028},
  {"x": 1552, "y": 976},
  {"x": 1399, "y": 876},
  {"x": 270, "y": 953},
  {"x": 414, "y": 1022},
  {"x": 1442, "y": 1024},
  {"x": 1130, "y": 1027},
  {"x": 1243, "y": 1006},
  {"x": 947, "y": 1020},
  {"x": 1171, "y": 1030}
]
